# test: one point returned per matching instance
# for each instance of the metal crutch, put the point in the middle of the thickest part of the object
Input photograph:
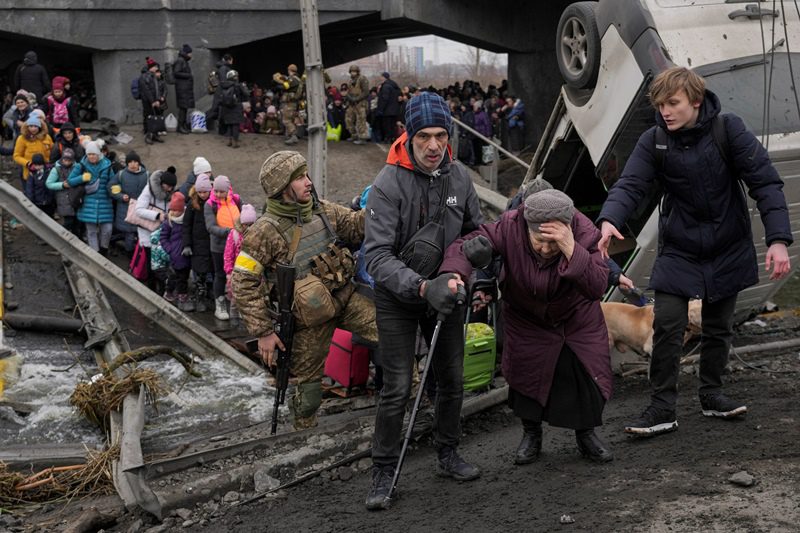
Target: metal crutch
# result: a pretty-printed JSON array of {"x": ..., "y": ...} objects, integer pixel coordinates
[{"x": 461, "y": 297}]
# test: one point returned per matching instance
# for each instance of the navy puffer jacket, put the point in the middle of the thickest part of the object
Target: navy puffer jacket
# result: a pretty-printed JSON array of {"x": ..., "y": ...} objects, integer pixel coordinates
[{"x": 705, "y": 240}]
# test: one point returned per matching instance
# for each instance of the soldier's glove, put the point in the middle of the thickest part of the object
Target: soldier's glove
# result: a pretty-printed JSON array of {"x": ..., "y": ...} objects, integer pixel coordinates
[
  {"x": 478, "y": 251},
  {"x": 187, "y": 251},
  {"x": 438, "y": 294}
]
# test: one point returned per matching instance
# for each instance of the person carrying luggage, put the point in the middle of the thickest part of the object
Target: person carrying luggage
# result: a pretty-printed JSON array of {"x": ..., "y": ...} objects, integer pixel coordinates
[
  {"x": 299, "y": 229},
  {"x": 560, "y": 368}
]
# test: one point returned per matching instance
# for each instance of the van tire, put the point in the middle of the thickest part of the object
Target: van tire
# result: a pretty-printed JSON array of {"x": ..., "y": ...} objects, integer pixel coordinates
[{"x": 578, "y": 45}]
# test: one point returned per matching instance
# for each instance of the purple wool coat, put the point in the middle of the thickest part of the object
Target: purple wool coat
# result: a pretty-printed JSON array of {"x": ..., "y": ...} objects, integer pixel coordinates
[
  {"x": 171, "y": 241},
  {"x": 545, "y": 306}
]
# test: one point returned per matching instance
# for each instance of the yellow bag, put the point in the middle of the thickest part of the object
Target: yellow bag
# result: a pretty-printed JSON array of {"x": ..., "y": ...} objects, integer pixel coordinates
[{"x": 334, "y": 134}]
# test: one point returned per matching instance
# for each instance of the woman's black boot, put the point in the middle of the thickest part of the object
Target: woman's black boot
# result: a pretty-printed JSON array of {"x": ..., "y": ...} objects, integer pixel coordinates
[
  {"x": 531, "y": 444},
  {"x": 591, "y": 447}
]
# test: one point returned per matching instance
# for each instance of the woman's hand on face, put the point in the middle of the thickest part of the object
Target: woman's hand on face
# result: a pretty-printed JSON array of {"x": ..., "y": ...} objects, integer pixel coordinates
[{"x": 561, "y": 234}]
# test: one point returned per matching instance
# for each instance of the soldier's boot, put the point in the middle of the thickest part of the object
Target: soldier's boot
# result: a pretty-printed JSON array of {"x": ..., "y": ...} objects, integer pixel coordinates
[
  {"x": 292, "y": 140},
  {"x": 305, "y": 403},
  {"x": 221, "y": 312},
  {"x": 358, "y": 141}
]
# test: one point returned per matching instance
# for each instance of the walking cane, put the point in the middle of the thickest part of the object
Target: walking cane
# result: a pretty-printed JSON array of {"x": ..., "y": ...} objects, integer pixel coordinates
[{"x": 461, "y": 297}]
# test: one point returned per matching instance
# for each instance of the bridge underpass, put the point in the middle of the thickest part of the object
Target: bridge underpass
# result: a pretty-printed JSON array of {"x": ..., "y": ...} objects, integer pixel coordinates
[{"x": 264, "y": 37}]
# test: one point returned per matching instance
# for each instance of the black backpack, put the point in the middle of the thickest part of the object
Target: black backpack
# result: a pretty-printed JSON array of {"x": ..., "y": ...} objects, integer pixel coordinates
[{"x": 230, "y": 97}]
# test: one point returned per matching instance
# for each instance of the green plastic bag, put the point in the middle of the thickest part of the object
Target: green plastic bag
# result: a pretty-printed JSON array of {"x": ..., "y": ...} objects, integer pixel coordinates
[{"x": 334, "y": 134}]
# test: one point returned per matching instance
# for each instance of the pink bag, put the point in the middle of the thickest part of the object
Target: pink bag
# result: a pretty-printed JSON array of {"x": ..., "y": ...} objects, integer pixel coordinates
[
  {"x": 138, "y": 267},
  {"x": 132, "y": 218},
  {"x": 347, "y": 363}
]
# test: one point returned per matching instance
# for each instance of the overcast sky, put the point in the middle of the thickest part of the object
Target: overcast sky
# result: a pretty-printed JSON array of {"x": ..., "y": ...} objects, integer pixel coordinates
[{"x": 449, "y": 51}]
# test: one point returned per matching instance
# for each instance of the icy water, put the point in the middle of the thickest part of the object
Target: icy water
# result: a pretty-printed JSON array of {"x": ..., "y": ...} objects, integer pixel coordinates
[{"x": 224, "y": 398}]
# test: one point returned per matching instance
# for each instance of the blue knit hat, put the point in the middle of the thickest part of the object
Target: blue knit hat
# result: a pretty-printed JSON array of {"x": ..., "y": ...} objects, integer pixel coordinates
[
  {"x": 425, "y": 111},
  {"x": 33, "y": 120}
]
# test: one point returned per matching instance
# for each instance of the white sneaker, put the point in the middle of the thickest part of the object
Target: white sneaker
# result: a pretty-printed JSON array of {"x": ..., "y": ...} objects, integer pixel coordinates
[{"x": 221, "y": 312}]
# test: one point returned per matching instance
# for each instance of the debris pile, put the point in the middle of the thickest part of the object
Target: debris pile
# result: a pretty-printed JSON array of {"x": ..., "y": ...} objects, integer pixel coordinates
[{"x": 60, "y": 482}]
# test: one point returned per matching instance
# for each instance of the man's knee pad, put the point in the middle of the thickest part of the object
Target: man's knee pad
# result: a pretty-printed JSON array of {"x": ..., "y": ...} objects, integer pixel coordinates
[{"x": 307, "y": 398}]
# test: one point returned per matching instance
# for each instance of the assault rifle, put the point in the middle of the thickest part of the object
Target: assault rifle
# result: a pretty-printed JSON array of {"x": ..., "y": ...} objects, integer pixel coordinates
[{"x": 285, "y": 331}]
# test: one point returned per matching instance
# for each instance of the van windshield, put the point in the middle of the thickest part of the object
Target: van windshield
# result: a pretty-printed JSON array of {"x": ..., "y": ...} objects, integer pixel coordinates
[{"x": 739, "y": 84}]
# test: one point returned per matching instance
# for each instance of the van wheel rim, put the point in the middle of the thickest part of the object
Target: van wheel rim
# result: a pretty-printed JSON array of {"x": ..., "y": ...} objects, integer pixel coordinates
[{"x": 574, "y": 46}]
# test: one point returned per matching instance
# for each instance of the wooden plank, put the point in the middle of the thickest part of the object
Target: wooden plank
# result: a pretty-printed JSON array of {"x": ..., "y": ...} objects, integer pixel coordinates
[{"x": 161, "y": 312}]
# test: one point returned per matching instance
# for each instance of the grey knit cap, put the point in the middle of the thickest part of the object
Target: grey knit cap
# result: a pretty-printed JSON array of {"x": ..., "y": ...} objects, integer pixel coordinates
[
  {"x": 546, "y": 206},
  {"x": 534, "y": 186}
]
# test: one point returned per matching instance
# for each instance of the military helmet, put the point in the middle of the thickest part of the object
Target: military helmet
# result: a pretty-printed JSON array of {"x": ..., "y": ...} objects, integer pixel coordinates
[
  {"x": 355, "y": 68},
  {"x": 279, "y": 170}
]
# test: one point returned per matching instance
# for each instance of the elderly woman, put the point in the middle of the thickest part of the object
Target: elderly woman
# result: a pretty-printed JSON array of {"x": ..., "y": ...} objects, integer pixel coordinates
[{"x": 556, "y": 359}]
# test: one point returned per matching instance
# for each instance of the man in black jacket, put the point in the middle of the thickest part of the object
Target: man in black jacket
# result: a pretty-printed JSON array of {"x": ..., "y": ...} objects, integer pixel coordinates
[
  {"x": 153, "y": 91},
  {"x": 32, "y": 76},
  {"x": 184, "y": 86},
  {"x": 706, "y": 246},
  {"x": 388, "y": 107},
  {"x": 419, "y": 183}
]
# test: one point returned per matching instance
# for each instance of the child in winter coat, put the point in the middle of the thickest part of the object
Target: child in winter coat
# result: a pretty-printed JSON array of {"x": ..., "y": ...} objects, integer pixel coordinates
[
  {"x": 234, "y": 245},
  {"x": 196, "y": 239},
  {"x": 159, "y": 262},
  {"x": 221, "y": 211},
  {"x": 171, "y": 241},
  {"x": 57, "y": 182},
  {"x": 36, "y": 186}
]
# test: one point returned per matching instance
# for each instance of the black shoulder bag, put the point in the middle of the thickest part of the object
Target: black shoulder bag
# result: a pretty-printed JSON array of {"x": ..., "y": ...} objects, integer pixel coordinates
[{"x": 424, "y": 251}]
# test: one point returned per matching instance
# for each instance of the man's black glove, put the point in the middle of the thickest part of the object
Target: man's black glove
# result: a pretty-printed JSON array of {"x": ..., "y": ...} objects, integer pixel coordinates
[
  {"x": 439, "y": 295},
  {"x": 478, "y": 251}
]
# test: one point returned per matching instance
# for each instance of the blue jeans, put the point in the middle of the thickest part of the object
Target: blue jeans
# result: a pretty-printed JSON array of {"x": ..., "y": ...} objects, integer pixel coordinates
[{"x": 397, "y": 332}]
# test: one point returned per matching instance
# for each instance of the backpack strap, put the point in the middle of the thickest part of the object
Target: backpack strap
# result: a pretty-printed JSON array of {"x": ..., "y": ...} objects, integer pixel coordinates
[
  {"x": 661, "y": 147},
  {"x": 720, "y": 134}
]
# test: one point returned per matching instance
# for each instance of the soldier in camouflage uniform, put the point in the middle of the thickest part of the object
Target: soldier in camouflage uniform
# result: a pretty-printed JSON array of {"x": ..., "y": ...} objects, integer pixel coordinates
[
  {"x": 298, "y": 229},
  {"x": 292, "y": 88},
  {"x": 355, "y": 117}
]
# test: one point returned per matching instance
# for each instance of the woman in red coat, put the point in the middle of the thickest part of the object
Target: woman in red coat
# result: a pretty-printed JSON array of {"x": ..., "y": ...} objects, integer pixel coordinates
[{"x": 556, "y": 359}]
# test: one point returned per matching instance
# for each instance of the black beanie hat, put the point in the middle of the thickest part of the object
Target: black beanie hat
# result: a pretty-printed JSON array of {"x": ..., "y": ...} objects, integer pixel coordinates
[
  {"x": 133, "y": 156},
  {"x": 186, "y": 49},
  {"x": 67, "y": 126},
  {"x": 37, "y": 159},
  {"x": 168, "y": 177}
]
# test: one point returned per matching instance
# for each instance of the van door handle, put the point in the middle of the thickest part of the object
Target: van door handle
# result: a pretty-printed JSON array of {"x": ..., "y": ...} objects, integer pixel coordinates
[{"x": 753, "y": 12}]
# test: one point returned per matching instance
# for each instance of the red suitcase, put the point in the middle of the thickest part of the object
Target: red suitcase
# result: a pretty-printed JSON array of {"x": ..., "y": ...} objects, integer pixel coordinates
[{"x": 347, "y": 364}]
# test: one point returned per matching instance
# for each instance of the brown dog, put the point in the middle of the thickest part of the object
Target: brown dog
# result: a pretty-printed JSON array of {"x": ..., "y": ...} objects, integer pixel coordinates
[{"x": 631, "y": 327}]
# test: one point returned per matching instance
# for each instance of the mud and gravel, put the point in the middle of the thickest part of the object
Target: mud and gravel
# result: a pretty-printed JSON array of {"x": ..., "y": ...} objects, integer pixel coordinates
[{"x": 675, "y": 482}]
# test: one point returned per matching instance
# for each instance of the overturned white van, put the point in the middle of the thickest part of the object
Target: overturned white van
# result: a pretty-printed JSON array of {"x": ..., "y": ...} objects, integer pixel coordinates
[{"x": 608, "y": 53}]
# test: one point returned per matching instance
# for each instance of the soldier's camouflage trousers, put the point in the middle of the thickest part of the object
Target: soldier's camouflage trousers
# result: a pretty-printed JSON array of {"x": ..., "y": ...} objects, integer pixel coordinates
[
  {"x": 355, "y": 120},
  {"x": 289, "y": 110},
  {"x": 310, "y": 348}
]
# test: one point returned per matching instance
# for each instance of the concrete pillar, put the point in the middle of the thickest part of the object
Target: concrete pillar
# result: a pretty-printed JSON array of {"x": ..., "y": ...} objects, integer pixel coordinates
[
  {"x": 114, "y": 71},
  {"x": 537, "y": 90}
]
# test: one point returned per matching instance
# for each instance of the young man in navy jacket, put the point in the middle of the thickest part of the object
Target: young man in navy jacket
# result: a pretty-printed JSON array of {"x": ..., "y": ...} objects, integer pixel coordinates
[{"x": 705, "y": 244}]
